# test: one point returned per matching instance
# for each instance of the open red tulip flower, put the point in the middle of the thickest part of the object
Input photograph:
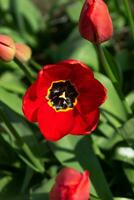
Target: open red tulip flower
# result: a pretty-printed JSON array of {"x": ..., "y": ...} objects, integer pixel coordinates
[
  {"x": 71, "y": 185},
  {"x": 95, "y": 23},
  {"x": 64, "y": 99}
]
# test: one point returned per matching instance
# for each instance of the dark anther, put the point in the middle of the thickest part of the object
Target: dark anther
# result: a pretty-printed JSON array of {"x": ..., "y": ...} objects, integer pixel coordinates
[{"x": 62, "y": 95}]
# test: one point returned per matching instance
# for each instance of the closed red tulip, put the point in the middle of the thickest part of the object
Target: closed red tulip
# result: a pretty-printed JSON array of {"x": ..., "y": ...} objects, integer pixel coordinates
[
  {"x": 7, "y": 48},
  {"x": 71, "y": 185},
  {"x": 95, "y": 23}
]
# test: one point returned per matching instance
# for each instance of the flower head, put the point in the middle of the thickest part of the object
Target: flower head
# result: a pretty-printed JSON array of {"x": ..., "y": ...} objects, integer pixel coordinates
[
  {"x": 95, "y": 23},
  {"x": 71, "y": 185},
  {"x": 64, "y": 99},
  {"x": 7, "y": 48},
  {"x": 23, "y": 52}
]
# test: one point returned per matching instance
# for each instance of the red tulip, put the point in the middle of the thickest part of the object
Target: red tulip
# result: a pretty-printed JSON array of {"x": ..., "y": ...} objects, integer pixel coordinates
[
  {"x": 64, "y": 99},
  {"x": 7, "y": 48},
  {"x": 95, "y": 23},
  {"x": 71, "y": 185}
]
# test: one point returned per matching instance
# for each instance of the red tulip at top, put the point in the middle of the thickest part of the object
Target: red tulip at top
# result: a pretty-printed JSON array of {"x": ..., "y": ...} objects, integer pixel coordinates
[
  {"x": 71, "y": 185},
  {"x": 64, "y": 99},
  {"x": 95, "y": 23}
]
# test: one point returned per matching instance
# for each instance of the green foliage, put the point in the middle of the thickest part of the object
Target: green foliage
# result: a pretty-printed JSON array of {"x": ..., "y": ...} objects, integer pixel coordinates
[
  {"x": 74, "y": 47},
  {"x": 28, "y": 163},
  {"x": 73, "y": 152}
]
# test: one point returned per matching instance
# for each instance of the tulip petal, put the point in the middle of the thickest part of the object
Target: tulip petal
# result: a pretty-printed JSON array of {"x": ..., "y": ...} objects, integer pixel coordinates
[
  {"x": 31, "y": 103},
  {"x": 65, "y": 174},
  {"x": 80, "y": 75},
  {"x": 92, "y": 96},
  {"x": 82, "y": 191},
  {"x": 85, "y": 124},
  {"x": 7, "y": 48},
  {"x": 79, "y": 71},
  {"x": 54, "y": 125},
  {"x": 50, "y": 74}
]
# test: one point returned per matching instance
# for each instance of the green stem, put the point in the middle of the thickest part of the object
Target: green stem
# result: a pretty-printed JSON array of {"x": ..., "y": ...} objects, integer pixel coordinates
[
  {"x": 105, "y": 65},
  {"x": 25, "y": 69},
  {"x": 130, "y": 16},
  {"x": 21, "y": 143},
  {"x": 28, "y": 175},
  {"x": 108, "y": 71},
  {"x": 35, "y": 64}
]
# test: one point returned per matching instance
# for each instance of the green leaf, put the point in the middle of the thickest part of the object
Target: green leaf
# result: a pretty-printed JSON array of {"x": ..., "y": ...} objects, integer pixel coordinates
[
  {"x": 13, "y": 197},
  {"x": 73, "y": 10},
  {"x": 130, "y": 100},
  {"x": 124, "y": 154},
  {"x": 34, "y": 17},
  {"x": 28, "y": 175},
  {"x": 109, "y": 136},
  {"x": 4, "y": 181},
  {"x": 76, "y": 152},
  {"x": 127, "y": 131},
  {"x": 10, "y": 82},
  {"x": 5, "y": 150},
  {"x": 40, "y": 196},
  {"x": 125, "y": 59},
  {"x": 26, "y": 135},
  {"x": 121, "y": 198},
  {"x": 42, "y": 191},
  {"x": 129, "y": 172},
  {"x": 74, "y": 47},
  {"x": 4, "y": 5},
  {"x": 11, "y": 100},
  {"x": 112, "y": 108},
  {"x": 12, "y": 33}
]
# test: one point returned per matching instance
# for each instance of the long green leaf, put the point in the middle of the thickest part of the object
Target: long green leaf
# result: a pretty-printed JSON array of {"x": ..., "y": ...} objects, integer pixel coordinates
[
  {"x": 77, "y": 152},
  {"x": 112, "y": 107}
]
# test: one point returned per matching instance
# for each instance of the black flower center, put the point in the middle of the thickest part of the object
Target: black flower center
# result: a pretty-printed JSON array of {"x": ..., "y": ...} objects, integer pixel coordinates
[{"x": 62, "y": 95}]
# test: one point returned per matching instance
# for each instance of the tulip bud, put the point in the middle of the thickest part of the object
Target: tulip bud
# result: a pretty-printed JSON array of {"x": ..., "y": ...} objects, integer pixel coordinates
[
  {"x": 7, "y": 48},
  {"x": 23, "y": 52},
  {"x": 95, "y": 23},
  {"x": 71, "y": 185}
]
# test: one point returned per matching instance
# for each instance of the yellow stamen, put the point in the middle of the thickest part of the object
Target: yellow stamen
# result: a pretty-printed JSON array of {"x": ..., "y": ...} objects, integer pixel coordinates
[{"x": 63, "y": 95}]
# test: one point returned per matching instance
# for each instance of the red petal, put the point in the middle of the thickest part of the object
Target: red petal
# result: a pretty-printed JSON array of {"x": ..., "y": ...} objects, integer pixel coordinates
[
  {"x": 91, "y": 97},
  {"x": 85, "y": 124},
  {"x": 83, "y": 189},
  {"x": 31, "y": 103},
  {"x": 79, "y": 71},
  {"x": 75, "y": 71},
  {"x": 49, "y": 74},
  {"x": 54, "y": 125},
  {"x": 86, "y": 27},
  {"x": 81, "y": 77},
  {"x": 81, "y": 74},
  {"x": 68, "y": 177}
]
